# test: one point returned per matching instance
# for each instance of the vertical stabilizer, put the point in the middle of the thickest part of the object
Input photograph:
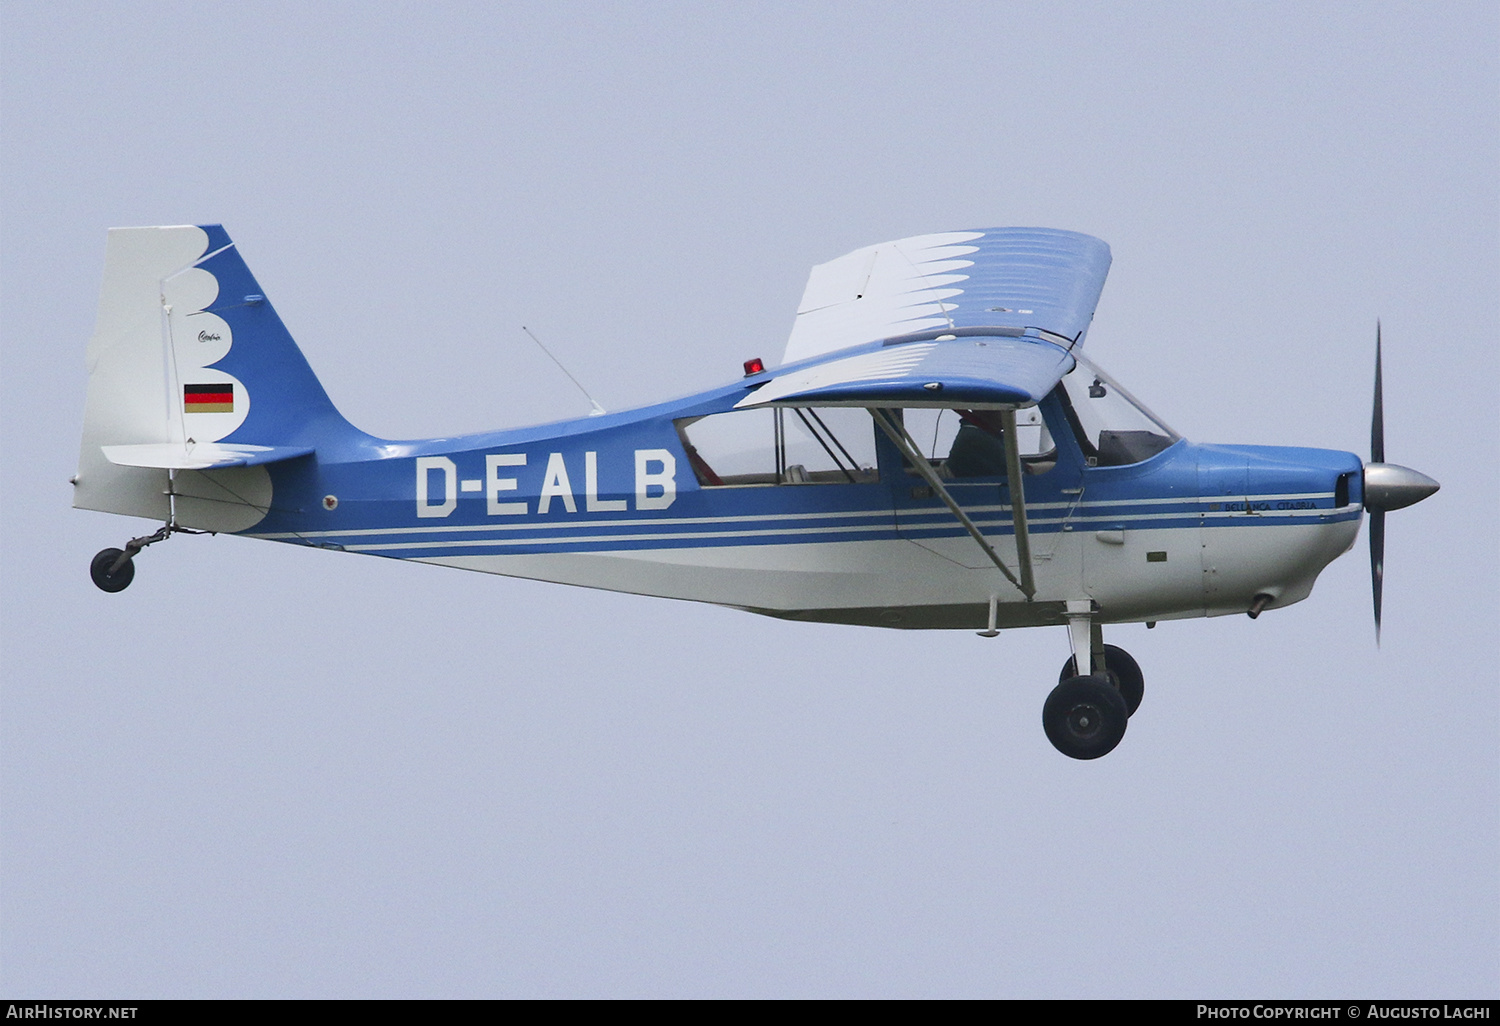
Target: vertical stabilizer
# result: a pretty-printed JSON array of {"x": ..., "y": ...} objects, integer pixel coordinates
[{"x": 189, "y": 362}]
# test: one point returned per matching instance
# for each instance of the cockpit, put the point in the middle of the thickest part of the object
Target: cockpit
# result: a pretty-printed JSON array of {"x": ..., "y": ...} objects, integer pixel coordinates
[
  {"x": 1113, "y": 428},
  {"x": 795, "y": 445}
]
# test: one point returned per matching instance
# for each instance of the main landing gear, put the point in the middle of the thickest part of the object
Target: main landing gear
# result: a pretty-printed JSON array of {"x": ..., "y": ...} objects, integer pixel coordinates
[
  {"x": 1123, "y": 672},
  {"x": 1084, "y": 717},
  {"x": 1086, "y": 714},
  {"x": 114, "y": 569}
]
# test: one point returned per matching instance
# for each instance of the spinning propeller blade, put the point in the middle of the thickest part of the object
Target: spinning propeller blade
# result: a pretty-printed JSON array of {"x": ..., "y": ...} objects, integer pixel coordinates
[
  {"x": 1377, "y": 414},
  {"x": 1386, "y": 487},
  {"x": 1377, "y": 563},
  {"x": 1377, "y": 516}
]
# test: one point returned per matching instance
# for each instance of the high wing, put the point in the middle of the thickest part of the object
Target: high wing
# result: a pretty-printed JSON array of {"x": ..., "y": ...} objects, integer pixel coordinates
[
  {"x": 988, "y": 317},
  {"x": 1016, "y": 278}
]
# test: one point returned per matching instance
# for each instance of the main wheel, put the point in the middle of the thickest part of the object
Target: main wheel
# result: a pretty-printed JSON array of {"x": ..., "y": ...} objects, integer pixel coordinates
[
  {"x": 1123, "y": 670},
  {"x": 100, "y": 571},
  {"x": 1084, "y": 717}
]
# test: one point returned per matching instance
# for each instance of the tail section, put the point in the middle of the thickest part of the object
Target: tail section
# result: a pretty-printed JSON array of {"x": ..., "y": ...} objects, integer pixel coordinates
[{"x": 190, "y": 369}]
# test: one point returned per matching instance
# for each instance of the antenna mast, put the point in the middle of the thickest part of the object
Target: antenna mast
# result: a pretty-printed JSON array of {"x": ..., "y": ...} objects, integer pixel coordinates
[{"x": 597, "y": 410}]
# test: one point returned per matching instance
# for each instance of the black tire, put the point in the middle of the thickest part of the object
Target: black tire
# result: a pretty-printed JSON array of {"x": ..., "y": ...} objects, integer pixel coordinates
[
  {"x": 99, "y": 570},
  {"x": 1124, "y": 672},
  {"x": 1084, "y": 717}
]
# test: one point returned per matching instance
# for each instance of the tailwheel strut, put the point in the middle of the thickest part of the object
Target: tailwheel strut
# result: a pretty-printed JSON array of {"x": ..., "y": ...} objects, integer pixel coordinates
[{"x": 112, "y": 570}]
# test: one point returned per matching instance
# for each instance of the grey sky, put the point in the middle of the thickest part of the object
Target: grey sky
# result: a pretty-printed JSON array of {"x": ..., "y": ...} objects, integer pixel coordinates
[{"x": 264, "y": 771}]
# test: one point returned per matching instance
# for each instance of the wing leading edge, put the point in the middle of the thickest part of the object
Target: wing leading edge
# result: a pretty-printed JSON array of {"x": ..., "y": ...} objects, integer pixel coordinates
[{"x": 975, "y": 371}]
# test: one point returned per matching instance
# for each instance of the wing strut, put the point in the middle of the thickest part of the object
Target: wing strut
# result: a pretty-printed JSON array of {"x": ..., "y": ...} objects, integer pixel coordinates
[
  {"x": 1015, "y": 479},
  {"x": 896, "y": 432}
]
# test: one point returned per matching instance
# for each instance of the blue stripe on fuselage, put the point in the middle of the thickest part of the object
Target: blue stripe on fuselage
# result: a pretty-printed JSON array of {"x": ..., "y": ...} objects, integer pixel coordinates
[{"x": 374, "y": 484}]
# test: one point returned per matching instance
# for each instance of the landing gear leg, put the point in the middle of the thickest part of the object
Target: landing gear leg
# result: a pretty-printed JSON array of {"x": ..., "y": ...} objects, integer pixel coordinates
[
  {"x": 113, "y": 569},
  {"x": 1086, "y": 714},
  {"x": 1086, "y": 637}
]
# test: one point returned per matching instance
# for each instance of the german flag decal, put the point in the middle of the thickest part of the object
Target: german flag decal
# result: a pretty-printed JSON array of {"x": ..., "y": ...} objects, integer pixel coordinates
[{"x": 208, "y": 398}]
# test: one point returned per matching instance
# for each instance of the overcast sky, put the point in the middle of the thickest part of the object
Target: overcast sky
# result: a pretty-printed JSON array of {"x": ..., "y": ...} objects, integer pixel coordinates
[{"x": 267, "y": 771}]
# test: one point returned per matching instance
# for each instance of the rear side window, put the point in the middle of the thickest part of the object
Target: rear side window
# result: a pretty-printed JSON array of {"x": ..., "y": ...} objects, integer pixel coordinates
[{"x": 781, "y": 446}]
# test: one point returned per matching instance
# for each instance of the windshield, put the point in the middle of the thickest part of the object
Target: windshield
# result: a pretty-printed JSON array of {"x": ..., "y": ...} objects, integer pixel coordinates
[{"x": 1114, "y": 428}]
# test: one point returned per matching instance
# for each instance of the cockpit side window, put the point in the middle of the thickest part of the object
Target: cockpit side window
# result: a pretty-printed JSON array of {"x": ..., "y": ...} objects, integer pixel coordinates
[{"x": 970, "y": 443}]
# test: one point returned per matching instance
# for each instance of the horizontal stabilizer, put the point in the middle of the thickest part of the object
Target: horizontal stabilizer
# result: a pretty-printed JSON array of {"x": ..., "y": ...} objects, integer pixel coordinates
[
  {"x": 200, "y": 455},
  {"x": 974, "y": 372}
]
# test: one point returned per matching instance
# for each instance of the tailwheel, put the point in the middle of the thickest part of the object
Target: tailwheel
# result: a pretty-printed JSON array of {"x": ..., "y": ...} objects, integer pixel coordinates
[
  {"x": 1085, "y": 717},
  {"x": 112, "y": 570},
  {"x": 1124, "y": 672}
]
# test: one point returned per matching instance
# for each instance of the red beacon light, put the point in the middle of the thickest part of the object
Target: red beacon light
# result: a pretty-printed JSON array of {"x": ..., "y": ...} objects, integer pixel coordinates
[{"x": 754, "y": 366}]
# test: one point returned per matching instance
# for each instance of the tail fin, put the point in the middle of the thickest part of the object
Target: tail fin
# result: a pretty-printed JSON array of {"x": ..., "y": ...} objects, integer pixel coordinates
[{"x": 189, "y": 369}]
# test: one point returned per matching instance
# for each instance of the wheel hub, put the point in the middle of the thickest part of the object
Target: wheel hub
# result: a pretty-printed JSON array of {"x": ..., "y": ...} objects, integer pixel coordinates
[
  {"x": 1084, "y": 717},
  {"x": 1084, "y": 721}
]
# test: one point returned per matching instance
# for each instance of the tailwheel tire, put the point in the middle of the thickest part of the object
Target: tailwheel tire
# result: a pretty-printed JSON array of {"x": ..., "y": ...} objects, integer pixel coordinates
[
  {"x": 1084, "y": 717},
  {"x": 1124, "y": 672},
  {"x": 118, "y": 580}
]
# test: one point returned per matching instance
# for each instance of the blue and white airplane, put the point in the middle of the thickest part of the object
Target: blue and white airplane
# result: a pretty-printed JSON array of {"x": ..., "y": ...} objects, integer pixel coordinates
[{"x": 934, "y": 451}]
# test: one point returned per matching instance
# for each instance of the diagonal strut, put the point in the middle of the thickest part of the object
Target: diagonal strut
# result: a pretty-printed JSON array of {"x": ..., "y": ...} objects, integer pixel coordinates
[{"x": 896, "y": 432}]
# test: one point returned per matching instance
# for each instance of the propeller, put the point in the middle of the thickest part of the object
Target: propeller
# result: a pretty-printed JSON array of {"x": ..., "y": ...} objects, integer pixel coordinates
[{"x": 1387, "y": 486}]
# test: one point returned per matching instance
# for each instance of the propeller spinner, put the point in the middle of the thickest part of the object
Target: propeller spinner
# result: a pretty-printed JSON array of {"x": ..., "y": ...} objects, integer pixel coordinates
[{"x": 1387, "y": 486}]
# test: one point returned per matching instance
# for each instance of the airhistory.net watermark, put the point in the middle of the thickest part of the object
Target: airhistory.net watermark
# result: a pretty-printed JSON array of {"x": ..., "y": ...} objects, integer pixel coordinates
[{"x": 43, "y": 1010}]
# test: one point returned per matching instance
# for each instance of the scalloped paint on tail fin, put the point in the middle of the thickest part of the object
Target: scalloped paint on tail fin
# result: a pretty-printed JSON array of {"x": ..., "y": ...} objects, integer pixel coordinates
[{"x": 191, "y": 371}]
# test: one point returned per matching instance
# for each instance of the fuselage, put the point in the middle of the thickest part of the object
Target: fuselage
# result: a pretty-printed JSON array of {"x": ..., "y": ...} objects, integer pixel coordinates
[{"x": 635, "y": 502}]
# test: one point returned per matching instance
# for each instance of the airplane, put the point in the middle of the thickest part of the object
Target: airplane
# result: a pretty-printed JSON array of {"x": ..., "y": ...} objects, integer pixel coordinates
[{"x": 934, "y": 451}]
